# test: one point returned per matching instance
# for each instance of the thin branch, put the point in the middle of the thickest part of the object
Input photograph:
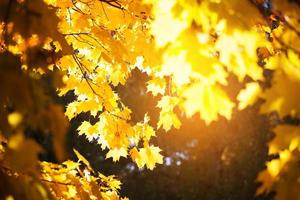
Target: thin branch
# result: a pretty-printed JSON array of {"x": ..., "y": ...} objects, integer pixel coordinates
[
  {"x": 78, "y": 9},
  {"x": 104, "y": 10},
  {"x": 117, "y": 116},
  {"x": 70, "y": 18},
  {"x": 113, "y": 3},
  {"x": 88, "y": 35},
  {"x": 93, "y": 90},
  {"x": 84, "y": 75},
  {"x": 82, "y": 40}
]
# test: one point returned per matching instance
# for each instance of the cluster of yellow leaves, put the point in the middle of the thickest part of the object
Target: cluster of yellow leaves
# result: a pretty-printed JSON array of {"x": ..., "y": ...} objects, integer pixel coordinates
[
  {"x": 107, "y": 37},
  {"x": 69, "y": 180},
  {"x": 73, "y": 180},
  {"x": 207, "y": 43},
  {"x": 31, "y": 48}
]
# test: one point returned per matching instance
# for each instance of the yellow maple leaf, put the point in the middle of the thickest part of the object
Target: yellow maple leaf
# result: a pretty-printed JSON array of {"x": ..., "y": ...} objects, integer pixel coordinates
[
  {"x": 71, "y": 165},
  {"x": 286, "y": 137},
  {"x": 90, "y": 131},
  {"x": 136, "y": 157},
  {"x": 249, "y": 95},
  {"x": 283, "y": 96},
  {"x": 148, "y": 155},
  {"x": 176, "y": 66},
  {"x": 165, "y": 22},
  {"x": 156, "y": 86},
  {"x": 143, "y": 130},
  {"x": 167, "y": 103},
  {"x": 167, "y": 120},
  {"x": 275, "y": 166},
  {"x": 152, "y": 155},
  {"x": 267, "y": 182},
  {"x": 116, "y": 153},
  {"x": 208, "y": 100},
  {"x": 238, "y": 50}
]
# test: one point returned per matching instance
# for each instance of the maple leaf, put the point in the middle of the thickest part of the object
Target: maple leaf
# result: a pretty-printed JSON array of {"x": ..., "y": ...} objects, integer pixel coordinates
[
  {"x": 144, "y": 130},
  {"x": 162, "y": 26},
  {"x": 156, "y": 86},
  {"x": 267, "y": 180},
  {"x": 279, "y": 98},
  {"x": 148, "y": 155},
  {"x": 152, "y": 156},
  {"x": 90, "y": 131},
  {"x": 286, "y": 137},
  {"x": 249, "y": 95},
  {"x": 167, "y": 120},
  {"x": 137, "y": 157},
  {"x": 110, "y": 181},
  {"x": 167, "y": 103},
  {"x": 209, "y": 100},
  {"x": 239, "y": 52},
  {"x": 116, "y": 153},
  {"x": 71, "y": 165}
]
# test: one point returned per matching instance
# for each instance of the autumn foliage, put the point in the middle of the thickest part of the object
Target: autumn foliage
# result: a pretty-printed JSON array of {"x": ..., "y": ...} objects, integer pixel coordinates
[{"x": 188, "y": 49}]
